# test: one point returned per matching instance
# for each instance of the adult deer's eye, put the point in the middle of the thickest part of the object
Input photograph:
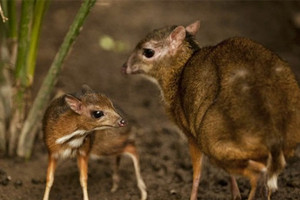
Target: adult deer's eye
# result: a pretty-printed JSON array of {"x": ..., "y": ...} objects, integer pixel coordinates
[
  {"x": 97, "y": 114},
  {"x": 148, "y": 53}
]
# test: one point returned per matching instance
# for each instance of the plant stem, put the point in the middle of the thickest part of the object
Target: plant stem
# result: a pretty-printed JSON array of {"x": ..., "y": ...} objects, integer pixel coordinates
[
  {"x": 30, "y": 127},
  {"x": 20, "y": 75},
  {"x": 39, "y": 11},
  {"x": 23, "y": 41},
  {"x": 12, "y": 16},
  {"x": 4, "y": 57}
]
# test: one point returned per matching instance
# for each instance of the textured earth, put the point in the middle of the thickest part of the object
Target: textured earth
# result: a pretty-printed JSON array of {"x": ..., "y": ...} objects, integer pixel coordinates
[{"x": 165, "y": 163}]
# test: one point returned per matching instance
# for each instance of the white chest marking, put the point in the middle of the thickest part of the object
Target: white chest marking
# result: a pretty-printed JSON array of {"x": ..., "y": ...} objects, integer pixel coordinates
[
  {"x": 69, "y": 136},
  {"x": 75, "y": 143},
  {"x": 66, "y": 153}
]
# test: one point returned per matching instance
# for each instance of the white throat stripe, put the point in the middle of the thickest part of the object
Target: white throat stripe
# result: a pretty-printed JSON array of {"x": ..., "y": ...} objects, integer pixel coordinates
[{"x": 69, "y": 136}]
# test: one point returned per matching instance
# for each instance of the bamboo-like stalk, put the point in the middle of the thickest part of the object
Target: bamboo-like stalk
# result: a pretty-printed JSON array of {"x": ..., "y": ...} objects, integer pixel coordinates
[
  {"x": 23, "y": 41},
  {"x": 39, "y": 11},
  {"x": 5, "y": 101},
  {"x": 35, "y": 114},
  {"x": 8, "y": 46},
  {"x": 12, "y": 31},
  {"x": 12, "y": 16},
  {"x": 5, "y": 98},
  {"x": 17, "y": 118},
  {"x": 3, "y": 7}
]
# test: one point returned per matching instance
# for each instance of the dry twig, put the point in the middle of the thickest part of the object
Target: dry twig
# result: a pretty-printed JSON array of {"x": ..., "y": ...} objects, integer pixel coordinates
[{"x": 4, "y": 19}]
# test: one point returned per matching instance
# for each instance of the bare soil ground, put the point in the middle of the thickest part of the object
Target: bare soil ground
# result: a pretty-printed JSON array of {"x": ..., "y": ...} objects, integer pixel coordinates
[{"x": 164, "y": 158}]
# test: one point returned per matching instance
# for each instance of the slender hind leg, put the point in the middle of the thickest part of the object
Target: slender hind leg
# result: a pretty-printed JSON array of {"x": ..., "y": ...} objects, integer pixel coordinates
[
  {"x": 256, "y": 172},
  {"x": 196, "y": 156},
  {"x": 130, "y": 150},
  {"x": 50, "y": 176},
  {"x": 82, "y": 162},
  {"x": 115, "y": 176},
  {"x": 235, "y": 192}
]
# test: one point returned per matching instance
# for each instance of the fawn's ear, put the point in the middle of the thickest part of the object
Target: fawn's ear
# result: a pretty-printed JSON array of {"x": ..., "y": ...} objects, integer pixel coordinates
[
  {"x": 193, "y": 28},
  {"x": 74, "y": 103},
  {"x": 176, "y": 37},
  {"x": 86, "y": 89}
]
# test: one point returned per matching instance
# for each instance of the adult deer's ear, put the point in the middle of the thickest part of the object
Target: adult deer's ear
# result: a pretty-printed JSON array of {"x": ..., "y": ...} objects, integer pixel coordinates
[
  {"x": 176, "y": 38},
  {"x": 193, "y": 28},
  {"x": 74, "y": 103}
]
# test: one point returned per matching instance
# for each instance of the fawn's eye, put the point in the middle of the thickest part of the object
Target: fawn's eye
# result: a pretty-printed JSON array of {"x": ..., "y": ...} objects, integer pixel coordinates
[
  {"x": 148, "y": 53},
  {"x": 97, "y": 114}
]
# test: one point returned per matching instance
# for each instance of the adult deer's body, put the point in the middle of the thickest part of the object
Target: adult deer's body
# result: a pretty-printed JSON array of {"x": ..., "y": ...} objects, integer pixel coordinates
[{"x": 237, "y": 102}]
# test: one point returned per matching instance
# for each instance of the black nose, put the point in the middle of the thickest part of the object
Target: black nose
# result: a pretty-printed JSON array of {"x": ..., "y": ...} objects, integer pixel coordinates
[
  {"x": 124, "y": 67},
  {"x": 122, "y": 123}
]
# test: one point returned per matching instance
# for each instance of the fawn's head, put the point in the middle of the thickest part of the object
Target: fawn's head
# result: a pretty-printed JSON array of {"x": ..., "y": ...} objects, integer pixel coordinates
[
  {"x": 163, "y": 47},
  {"x": 94, "y": 111}
]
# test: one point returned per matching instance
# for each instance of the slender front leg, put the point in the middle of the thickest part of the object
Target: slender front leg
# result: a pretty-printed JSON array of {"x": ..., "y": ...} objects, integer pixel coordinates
[
  {"x": 115, "y": 176},
  {"x": 130, "y": 150},
  {"x": 235, "y": 192},
  {"x": 196, "y": 156},
  {"x": 82, "y": 161},
  {"x": 50, "y": 176}
]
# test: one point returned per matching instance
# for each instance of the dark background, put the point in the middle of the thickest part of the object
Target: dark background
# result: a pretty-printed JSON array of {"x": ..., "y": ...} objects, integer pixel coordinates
[{"x": 164, "y": 156}]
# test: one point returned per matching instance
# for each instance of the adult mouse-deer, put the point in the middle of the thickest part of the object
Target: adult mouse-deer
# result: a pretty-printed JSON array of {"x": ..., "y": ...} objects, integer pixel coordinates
[
  {"x": 68, "y": 125},
  {"x": 237, "y": 102}
]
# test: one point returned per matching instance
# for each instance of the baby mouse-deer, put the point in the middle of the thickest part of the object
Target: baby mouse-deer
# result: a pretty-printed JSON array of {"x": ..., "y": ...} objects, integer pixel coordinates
[
  {"x": 237, "y": 102},
  {"x": 68, "y": 126}
]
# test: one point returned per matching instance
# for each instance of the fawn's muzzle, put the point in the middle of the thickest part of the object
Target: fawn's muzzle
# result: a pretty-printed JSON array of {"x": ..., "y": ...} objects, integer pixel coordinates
[{"x": 122, "y": 123}]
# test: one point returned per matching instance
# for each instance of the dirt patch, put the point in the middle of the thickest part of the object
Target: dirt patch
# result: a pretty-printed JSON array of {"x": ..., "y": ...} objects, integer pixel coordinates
[{"x": 165, "y": 162}]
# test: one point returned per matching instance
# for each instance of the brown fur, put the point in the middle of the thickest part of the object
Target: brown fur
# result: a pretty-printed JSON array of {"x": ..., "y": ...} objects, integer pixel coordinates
[
  {"x": 237, "y": 102},
  {"x": 111, "y": 142},
  {"x": 118, "y": 142}
]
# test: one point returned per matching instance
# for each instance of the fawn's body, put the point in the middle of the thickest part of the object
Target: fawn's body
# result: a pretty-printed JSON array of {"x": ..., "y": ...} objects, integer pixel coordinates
[
  {"x": 116, "y": 143},
  {"x": 237, "y": 102},
  {"x": 71, "y": 124}
]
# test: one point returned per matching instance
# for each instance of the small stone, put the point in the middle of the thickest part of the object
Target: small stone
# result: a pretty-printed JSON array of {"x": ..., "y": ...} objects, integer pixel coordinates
[
  {"x": 36, "y": 181},
  {"x": 18, "y": 183},
  {"x": 5, "y": 181},
  {"x": 173, "y": 192}
]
